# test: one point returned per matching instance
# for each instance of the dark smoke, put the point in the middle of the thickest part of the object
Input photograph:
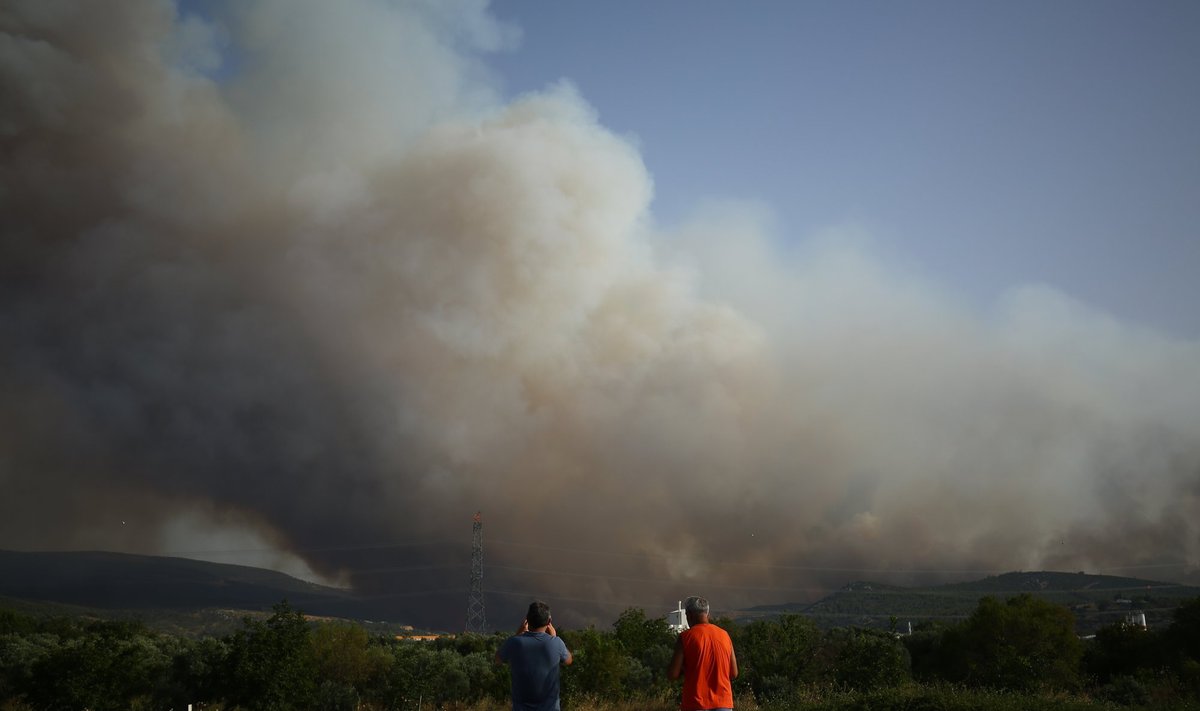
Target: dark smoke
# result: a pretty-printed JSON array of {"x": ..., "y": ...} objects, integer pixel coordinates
[{"x": 294, "y": 281}]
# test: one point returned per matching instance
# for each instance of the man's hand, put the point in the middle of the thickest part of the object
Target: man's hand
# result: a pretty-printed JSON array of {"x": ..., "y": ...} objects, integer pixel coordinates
[
  {"x": 550, "y": 629},
  {"x": 524, "y": 627}
]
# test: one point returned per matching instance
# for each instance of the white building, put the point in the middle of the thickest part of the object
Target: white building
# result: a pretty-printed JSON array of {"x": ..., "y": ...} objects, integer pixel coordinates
[
  {"x": 1137, "y": 619},
  {"x": 677, "y": 618}
]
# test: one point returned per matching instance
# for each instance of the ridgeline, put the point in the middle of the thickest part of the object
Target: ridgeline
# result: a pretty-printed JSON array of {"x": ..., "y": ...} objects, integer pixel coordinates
[
  {"x": 1096, "y": 600},
  {"x": 198, "y": 597}
]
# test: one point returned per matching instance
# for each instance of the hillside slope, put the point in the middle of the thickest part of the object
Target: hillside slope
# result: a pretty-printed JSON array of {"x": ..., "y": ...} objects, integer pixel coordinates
[
  {"x": 1096, "y": 600},
  {"x": 120, "y": 584}
]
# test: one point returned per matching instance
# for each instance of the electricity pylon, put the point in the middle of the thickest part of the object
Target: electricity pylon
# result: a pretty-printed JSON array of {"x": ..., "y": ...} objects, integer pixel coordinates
[{"x": 476, "y": 618}]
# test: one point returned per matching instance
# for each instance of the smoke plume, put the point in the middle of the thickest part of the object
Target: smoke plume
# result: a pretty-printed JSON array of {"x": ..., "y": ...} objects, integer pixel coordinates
[{"x": 293, "y": 279}]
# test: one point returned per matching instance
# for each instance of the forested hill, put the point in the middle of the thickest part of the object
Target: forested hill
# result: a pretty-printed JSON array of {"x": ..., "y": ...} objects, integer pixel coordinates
[
  {"x": 1096, "y": 600},
  {"x": 123, "y": 582},
  {"x": 119, "y": 581}
]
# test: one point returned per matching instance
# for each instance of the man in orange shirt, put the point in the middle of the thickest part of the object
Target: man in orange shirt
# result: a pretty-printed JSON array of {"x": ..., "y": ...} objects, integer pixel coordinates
[{"x": 704, "y": 657}]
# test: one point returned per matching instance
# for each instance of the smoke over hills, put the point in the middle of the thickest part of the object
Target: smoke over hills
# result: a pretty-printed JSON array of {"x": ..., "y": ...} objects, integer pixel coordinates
[{"x": 295, "y": 278}]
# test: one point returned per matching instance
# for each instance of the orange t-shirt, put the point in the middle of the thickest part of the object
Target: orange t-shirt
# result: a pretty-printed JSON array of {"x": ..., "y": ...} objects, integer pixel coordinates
[{"x": 707, "y": 657}]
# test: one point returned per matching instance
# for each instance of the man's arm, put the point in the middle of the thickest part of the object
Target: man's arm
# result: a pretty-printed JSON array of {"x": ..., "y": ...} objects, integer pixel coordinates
[
  {"x": 733, "y": 671},
  {"x": 520, "y": 630},
  {"x": 675, "y": 668},
  {"x": 565, "y": 657}
]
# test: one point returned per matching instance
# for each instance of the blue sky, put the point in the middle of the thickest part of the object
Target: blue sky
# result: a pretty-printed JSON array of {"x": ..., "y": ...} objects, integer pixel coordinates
[{"x": 980, "y": 145}]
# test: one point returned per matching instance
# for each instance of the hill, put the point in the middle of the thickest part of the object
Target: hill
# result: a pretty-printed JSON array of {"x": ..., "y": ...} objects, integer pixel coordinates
[
  {"x": 173, "y": 593},
  {"x": 124, "y": 581},
  {"x": 190, "y": 596},
  {"x": 1096, "y": 600}
]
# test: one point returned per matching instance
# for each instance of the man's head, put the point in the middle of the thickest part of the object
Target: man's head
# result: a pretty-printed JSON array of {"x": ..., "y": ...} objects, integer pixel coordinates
[
  {"x": 538, "y": 615},
  {"x": 696, "y": 609}
]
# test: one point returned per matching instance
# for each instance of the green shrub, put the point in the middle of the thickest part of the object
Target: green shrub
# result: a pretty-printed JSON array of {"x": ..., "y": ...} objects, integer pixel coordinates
[
  {"x": 1023, "y": 644},
  {"x": 867, "y": 660}
]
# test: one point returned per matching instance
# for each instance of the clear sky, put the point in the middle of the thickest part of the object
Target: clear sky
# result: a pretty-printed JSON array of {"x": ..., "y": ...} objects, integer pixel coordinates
[{"x": 981, "y": 145}]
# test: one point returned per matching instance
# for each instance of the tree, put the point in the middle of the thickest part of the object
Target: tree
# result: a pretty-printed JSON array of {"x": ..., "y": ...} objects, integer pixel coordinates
[
  {"x": 600, "y": 667},
  {"x": 1184, "y": 643},
  {"x": 1023, "y": 644},
  {"x": 343, "y": 654},
  {"x": 775, "y": 656},
  {"x": 20, "y": 655},
  {"x": 197, "y": 672},
  {"x": 925, "y": 651},
  {"x": 270, "y": 666},
  {"x": 486, "y": 679},
  {"x": 1184, "y": 632},
  {"x": 868, "y": 660},
  {"x": 640, "y": 635},
  {"x": 1122, "y": 649},
  {"x": 649, "y": 644},
  {"x": 110, "y": 666},
  {"x": 12, "y": 622}
]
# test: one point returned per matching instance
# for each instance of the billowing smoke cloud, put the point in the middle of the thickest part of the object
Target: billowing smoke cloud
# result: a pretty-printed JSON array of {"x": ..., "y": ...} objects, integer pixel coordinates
[{"x": 293, "y": 278}]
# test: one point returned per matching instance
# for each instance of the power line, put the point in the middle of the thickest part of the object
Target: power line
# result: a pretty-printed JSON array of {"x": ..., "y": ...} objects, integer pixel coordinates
[
  {"x": 664, "y": 581},
  {"x": 953, "y": 592},
  {"x": 402, "y": 569},
  {"x": 644, "y": 556},
  {"x": 813, "y": 568},
  {"x": 318, "y": 549}
]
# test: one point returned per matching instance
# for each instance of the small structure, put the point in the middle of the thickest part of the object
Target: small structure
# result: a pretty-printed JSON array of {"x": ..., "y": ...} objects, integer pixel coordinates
[
  {"x": 1136, "y": 619},
  {"x": 677, "y": 619}
]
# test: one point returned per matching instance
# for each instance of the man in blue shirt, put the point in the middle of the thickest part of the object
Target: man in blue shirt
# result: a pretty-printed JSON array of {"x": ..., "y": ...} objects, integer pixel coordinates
[{"x": 533, "y": 656}]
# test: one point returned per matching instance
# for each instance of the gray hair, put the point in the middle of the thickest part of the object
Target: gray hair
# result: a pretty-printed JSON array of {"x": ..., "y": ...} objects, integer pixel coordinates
[{"x": 697, "y": 605}]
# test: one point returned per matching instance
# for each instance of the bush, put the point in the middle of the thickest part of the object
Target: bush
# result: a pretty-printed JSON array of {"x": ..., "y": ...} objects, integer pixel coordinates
[
  {"x": 1019, "y": 654},
  {"x": 600, "y": 667},
  {"x": 1125, "y": 690},
  {"x": 1024, "y": 644},
  {"x": 1123, "y": 650},
  {"x": 868, "y": 660},
  {"x": 776, "y": 656}
]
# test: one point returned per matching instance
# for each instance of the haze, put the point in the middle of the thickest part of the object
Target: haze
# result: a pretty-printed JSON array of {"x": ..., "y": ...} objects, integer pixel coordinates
[{"x": 308, "y": 284}]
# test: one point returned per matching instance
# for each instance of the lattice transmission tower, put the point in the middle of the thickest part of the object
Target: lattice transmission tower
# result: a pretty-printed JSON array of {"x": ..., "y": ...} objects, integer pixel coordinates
[{"x": 476, "y": 617}]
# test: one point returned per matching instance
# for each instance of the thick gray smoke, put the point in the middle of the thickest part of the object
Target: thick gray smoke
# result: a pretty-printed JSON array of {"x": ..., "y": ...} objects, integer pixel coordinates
[{"x": 294, "y": 278}]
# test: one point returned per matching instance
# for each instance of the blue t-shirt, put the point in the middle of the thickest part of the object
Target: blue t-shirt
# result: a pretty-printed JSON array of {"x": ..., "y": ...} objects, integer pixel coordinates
[{"x": 533, "y": 658}]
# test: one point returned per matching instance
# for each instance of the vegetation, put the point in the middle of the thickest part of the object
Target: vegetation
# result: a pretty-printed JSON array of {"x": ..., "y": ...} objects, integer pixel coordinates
[
  {"x": 1096, "y": 600},
  {"x": 1019, "y": 653}
]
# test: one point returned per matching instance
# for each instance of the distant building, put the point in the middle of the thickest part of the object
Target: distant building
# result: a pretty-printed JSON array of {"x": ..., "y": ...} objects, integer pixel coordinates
[
  {"x": 421, "y": 637},
  {"x": 677, "y": 618},
  {"x": 1137, "y": 619}
]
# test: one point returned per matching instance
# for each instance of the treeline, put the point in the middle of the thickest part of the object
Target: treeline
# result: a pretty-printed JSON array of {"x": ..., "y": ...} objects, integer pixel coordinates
[{"x": 1006, "y": 655}]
